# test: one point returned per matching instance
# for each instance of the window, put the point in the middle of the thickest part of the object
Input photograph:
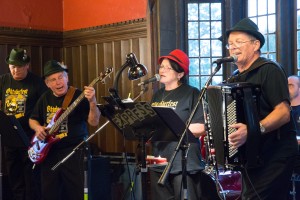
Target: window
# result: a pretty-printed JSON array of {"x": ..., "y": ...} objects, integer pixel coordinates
[
  {"x": 204, "y": 27},
  {"x": 263, "y": 13}
]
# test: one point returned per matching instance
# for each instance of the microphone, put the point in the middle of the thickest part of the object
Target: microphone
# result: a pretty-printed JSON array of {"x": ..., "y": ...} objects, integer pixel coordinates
[
  {"x": 156, "y": 77},
  {"x": 232, "y": 58}
]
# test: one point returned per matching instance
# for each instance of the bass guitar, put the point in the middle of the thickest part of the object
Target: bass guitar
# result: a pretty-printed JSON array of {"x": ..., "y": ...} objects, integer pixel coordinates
[{"x": 39, "y": 149}]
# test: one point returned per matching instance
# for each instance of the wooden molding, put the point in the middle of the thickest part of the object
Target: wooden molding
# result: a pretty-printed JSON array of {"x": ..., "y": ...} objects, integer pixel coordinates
[
  {"x": 21, "y": 36},
  {"x": 106, "y": 33}
]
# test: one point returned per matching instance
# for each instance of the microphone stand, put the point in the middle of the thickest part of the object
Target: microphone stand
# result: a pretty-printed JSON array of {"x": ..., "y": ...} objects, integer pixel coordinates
[
  {"x": 167, "y": 170},
  {"x": 142, "y": 167},
  {"x": 78, "y": 146}
]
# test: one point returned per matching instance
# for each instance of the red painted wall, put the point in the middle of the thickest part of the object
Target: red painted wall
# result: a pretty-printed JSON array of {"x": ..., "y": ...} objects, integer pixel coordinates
[
  {"x": 35, "y": 14},
  {"x": 89, "y": 13},
  {"x": 61, "y": 15}
]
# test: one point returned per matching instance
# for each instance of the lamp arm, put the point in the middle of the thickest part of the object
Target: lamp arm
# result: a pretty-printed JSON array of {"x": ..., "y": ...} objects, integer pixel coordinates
[{"x": 116, "y": 80}]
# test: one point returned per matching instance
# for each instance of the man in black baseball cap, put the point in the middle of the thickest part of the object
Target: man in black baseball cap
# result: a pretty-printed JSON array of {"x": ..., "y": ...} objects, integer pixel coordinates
[{"x": 248, "y": 26}]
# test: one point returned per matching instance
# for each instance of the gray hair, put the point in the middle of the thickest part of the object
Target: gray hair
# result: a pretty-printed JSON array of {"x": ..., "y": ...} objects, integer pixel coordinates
[{"x": 297, "y": 77}]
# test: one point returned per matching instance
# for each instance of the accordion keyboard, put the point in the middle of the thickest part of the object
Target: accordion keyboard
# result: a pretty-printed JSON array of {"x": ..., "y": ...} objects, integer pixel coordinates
[{"x": 231, "y": 119}]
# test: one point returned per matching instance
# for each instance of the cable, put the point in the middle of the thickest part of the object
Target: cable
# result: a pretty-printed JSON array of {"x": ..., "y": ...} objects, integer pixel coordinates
[
  {"x": 131, "y": 184},
  {"x": 247, "y": 176}
]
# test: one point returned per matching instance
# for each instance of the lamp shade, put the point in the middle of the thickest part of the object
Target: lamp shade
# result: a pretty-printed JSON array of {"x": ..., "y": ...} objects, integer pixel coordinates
[{"x": 137, "y": 71}]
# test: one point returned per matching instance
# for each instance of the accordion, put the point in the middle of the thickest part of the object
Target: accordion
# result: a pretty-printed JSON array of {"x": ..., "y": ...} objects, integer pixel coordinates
[{"x": 228, "y": 104}]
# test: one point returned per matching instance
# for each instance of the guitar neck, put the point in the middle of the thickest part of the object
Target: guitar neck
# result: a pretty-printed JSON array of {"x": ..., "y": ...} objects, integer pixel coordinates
[{"x": 66, "y": 113}]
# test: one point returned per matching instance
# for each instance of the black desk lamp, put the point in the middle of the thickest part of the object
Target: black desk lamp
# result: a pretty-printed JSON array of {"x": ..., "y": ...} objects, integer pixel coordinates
[{"x": 135, "y": 71}]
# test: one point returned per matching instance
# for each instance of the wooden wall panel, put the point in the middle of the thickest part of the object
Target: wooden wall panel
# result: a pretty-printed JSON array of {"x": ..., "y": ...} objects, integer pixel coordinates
[
  {"x": 67, "y": 55},
  {"x": 74, "y": 64},
  {"x": 3, "y": 55},
  {"x": 36, "y": 60},
  {"x": 80, "y": 69}
]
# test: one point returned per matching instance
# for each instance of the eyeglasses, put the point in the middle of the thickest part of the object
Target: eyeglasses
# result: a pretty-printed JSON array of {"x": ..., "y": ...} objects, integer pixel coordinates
[
  {"x": 237, "y": 44},
  {"x": 167, "y": 69}
]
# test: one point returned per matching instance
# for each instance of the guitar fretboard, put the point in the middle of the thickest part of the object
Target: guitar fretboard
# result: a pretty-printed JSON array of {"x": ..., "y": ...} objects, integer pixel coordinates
[{"x": 66, "y": 113}]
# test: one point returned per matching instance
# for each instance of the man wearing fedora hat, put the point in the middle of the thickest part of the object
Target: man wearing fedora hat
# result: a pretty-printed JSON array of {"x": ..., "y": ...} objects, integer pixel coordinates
[
  {"x": 278, "y": 146},
  {"x": 181, "y": 97},
  {"x": 66, "y": 181},
  {"x": 19, "y": 91}
]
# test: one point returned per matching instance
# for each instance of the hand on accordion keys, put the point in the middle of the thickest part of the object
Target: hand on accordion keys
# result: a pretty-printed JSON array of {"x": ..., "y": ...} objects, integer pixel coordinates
[{"x": 238, "y": 137}]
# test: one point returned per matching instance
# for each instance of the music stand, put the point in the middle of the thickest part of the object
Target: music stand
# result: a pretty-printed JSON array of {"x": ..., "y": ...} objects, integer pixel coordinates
[
  {"x": 174, "y": 122},
  {"x": 175, "y": 126},
  {"x": 12, "y": 133},
  {"x": 134, "y": 119},
  {"x": 139, "y": 121}
]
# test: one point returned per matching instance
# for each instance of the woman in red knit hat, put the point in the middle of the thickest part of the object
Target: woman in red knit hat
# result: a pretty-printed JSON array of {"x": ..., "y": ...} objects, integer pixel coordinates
[{"x": 182, "y": 98}]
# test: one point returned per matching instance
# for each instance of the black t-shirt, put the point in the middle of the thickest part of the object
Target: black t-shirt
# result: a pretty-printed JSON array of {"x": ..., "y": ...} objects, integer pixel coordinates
[
  {"x": 296, "y": 117},
  {"x": 19, "y": 97},
  {"x": 182, "y": 100},
  {"x": 274, "y": 90},
  {"x": 74, "y": 128}
]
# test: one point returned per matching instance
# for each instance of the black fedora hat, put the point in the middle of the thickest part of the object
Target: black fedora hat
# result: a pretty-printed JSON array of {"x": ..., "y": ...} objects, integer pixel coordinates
[
  {"x": 248, "y": 26},
  {"x": 18, "y": 57},
  {"x": 52, "y": 67}
]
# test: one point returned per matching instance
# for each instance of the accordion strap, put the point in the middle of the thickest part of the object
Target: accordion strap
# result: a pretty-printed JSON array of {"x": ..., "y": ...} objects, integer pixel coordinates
[
  {"x": 236, "y": 76},
  {"x": 253, "y": 138}
]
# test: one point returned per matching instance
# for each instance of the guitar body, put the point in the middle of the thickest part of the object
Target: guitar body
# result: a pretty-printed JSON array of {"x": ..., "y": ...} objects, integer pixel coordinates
[{"x": 39, "y": 149}]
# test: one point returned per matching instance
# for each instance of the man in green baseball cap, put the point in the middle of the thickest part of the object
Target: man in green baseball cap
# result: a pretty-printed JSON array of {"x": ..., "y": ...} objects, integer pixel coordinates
[
  {"x": 19, "y": 91},
  {"x": 52, "y": 67},
  {"x": 71, "y": 131},
  {"x": 18, "y": 61}
]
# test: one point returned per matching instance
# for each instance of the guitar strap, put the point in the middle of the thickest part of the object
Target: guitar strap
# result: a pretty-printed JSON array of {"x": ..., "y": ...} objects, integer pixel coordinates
[
  {"x": 68, "y": 97},
  {"x": 67, "y": 100}
]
